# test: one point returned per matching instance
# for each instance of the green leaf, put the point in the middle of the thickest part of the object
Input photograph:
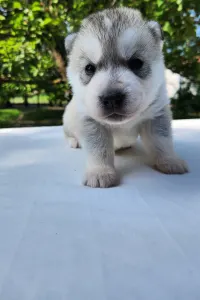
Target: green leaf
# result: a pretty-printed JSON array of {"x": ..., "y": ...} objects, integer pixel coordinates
[
  {"x": 159, "y": 3},
  {"x": 167, "y": 27},
  {"x": 180, "y": 4},
  {"x": 17, "y": 5},
  {"x": 46, "y": 21},
  {"x": 36, "y": 6}
]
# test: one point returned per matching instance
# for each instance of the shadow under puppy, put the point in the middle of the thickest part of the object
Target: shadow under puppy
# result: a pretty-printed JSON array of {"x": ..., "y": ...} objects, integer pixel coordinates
[{"x": 116, "y": 70}]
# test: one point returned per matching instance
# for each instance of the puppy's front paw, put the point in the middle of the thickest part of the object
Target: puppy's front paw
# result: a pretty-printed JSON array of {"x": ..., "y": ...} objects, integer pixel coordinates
[
  {"x": 171, "y": 165},
  {"x": 102, "y": 177},
  {"x": 73, "y": 143}
]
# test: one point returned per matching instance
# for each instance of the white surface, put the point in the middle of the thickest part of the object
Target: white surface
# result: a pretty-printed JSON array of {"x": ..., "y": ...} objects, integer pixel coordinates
[{"x": 62, "y": 241}]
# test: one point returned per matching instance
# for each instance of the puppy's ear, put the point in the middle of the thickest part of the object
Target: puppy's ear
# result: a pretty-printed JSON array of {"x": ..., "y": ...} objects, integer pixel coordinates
[
  {"x": 156, "y": 31},
  {"x": 69, "y": 40}
]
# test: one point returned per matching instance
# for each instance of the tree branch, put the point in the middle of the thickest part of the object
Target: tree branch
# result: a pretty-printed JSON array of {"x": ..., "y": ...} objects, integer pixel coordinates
[
  {"x": 19, "y": 81},
  {"x": 60, "y": 64}
]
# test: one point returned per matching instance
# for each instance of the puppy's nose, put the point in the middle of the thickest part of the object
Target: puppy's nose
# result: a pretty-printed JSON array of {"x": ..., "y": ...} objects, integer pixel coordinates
[{"x": 112, "y": 100}]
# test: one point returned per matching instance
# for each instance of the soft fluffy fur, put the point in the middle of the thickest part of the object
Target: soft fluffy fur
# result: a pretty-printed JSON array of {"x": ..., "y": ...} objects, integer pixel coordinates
[{"x": 112, "y": 41}]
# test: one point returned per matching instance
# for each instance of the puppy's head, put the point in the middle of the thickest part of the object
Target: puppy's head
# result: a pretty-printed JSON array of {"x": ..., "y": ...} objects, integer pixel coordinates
[{"x": 115, "y": 64}]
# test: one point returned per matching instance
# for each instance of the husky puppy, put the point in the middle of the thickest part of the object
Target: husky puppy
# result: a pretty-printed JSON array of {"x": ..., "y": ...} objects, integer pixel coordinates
[{"x": 116, "y": 70}]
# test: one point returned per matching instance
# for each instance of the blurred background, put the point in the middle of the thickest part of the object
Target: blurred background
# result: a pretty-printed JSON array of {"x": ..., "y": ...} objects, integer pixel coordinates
[{"x": 33, "y": 83}]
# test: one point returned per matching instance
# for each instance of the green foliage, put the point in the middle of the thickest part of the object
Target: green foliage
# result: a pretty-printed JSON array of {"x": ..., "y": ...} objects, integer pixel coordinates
[
  {"x": 37, "y": 117},
  {"x": 29, "y": 33},
  {"x": 32, "y": 55},
  {"x": 8, "y": 116},
  {"x": 43, "y": 99},
  {"x": 186, "y": 104}
]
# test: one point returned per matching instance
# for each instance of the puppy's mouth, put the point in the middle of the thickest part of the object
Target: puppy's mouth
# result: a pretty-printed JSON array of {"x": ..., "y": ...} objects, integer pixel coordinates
[{"x": 117, "y": 117}]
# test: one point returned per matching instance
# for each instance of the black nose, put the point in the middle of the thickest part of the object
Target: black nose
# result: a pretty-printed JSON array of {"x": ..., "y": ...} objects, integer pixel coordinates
[{"x": 112, "y": 100}]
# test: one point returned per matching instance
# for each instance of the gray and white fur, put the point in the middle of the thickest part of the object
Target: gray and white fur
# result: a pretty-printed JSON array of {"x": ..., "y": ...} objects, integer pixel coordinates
[{"x": 116, "y": 70}]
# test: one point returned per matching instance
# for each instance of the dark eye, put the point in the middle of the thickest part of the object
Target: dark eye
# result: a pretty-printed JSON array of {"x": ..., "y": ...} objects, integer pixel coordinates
[
  {"x": 90, "y": 69},
  {"x": 135, "y": 64}
]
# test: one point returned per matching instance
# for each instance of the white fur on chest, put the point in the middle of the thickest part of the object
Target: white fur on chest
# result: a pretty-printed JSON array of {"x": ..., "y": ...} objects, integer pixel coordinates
[{"x": 125, "y": 136}]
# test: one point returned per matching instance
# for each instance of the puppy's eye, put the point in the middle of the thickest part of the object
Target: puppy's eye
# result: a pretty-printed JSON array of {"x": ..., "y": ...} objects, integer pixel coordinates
[
  {"x": 90, "y": 69},
  {"x": 135, "y": 64}
]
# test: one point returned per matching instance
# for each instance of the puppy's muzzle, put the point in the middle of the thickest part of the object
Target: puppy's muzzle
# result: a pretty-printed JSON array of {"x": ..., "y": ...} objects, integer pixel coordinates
[{"x": 112, "y": 102}]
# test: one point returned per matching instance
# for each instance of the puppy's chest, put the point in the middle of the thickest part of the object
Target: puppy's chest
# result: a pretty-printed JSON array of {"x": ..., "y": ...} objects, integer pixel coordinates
[{"x": 124, "y": 137}]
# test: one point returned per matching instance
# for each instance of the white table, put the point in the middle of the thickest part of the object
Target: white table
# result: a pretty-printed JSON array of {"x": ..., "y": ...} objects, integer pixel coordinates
[{"x": 62, "y": 241}]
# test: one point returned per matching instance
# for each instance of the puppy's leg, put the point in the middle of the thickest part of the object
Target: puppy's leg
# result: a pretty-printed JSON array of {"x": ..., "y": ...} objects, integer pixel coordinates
[
  {"x": 157, "y": 138},
  {"x": 70, "y": 125},
  {"x": 98, "y": 142}
]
